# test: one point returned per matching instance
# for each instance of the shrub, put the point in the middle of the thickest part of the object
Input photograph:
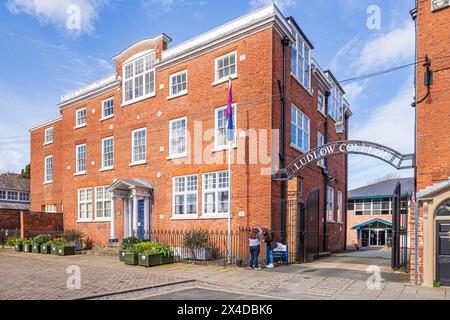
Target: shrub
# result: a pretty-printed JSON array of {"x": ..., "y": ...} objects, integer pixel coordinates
[
  {"x": 27, "y": 242},
  {"x": 12, "y": 241},
  {"x": 57, "y": 242},
  {"x": 88, "y": 244},
  {"x": 41, "y": 239},
  {"x": 152, "y": 247},
  {"x": 128, "y": 243},
  {"x": 73, "y": 235},
  {"x": 196, "y": 239}
]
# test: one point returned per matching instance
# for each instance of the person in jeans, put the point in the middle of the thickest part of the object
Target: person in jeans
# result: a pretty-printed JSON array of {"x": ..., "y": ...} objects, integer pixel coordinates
[
  {"x": 255, "y": 247},
  {"x": 270, "y": 245}
]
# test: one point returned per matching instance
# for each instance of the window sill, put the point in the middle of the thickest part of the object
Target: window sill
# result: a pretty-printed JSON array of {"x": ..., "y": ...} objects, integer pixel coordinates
[
  {"x": 223, "y": 148},
  {"x": 80, "y": 174},
  {"x": 322, "y": 113},
  {"x": 331, "y": 221},
  {"x": 184, "y": 217},
  {"x": 106, "y": 118},
  {"x": 181, "y": 94},
  {"x": 140, "y": 163},
  {"x": 213, "y": 216},
  {"x": 106, "y": 169},
  {"x": 84, "y": 220},
  {"x": 224, "y": 80},
  {"x": 48, "y": 182},
  {"x": 298, "y": 148},
  {"x": 138, "y": 100},
  {"x": 48, "y": 143},
  {"x": 177, "y": 156},
  {"x": 79, "y": 127},
  {"x": 101, "y": 220}
]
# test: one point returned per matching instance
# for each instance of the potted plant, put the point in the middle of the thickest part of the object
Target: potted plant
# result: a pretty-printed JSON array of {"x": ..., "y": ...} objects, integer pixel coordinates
[
  {"x": 197, "y": 243},
  {"x": 148, "y": 254},
  {"x": 166, "y": 254},
  {"x": 46, "y": 248},
  {"x": 27, "y": 246},
  {"x": 38, "y": 241},
  {"x": 131, "y": 256},
  {"x": 126, "y": 245},
  {"x": 17, "y": 243},
  {"x": 74, "y": 238},
  {"x": 66, "y": 250},
  {"x": 55, "y": 244}
]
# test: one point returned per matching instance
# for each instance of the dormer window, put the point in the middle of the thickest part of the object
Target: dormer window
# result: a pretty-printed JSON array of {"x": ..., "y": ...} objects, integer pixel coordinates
[
  {"x": 139, "y": 78},
  {"x": 301, "y": 61}
]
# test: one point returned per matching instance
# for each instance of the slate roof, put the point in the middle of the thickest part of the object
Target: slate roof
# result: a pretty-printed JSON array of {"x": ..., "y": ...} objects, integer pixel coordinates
[
  {"x": 11, "y": 181},
  {"x": 383, "y": 189}
]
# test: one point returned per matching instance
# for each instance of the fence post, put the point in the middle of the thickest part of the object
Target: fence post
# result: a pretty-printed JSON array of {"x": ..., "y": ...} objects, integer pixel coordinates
[{"x": 22, "y": 229}]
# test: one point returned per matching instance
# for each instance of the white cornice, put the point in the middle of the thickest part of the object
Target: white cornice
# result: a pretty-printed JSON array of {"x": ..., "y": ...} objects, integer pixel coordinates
[
  {"x": 144, "y": 42},
  {"x": 46, "y": 123}
]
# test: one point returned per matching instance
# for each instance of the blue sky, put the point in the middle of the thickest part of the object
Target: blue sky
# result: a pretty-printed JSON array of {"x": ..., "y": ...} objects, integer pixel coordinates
[{"x": 42, "y": 59}]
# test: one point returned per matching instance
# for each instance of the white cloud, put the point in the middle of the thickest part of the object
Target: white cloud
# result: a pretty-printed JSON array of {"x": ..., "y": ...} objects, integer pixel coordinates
[
  {"x": 388, "y": 49},
  {"x": 59, "y": 12},
  {"x": 281, "y": 4},
  {"x": 391, "y": 124}
]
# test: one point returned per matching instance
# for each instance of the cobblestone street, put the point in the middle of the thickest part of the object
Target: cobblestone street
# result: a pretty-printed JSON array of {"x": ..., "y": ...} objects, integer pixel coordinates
[{"x": 43, "y": 277}]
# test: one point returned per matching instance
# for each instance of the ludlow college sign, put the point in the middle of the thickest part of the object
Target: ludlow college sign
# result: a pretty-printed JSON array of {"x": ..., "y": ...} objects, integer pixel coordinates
[{"x": 388, "y": 155}]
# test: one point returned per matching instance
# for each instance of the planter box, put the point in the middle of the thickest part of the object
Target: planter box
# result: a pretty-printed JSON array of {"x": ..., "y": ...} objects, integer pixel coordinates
[
  {"x": 18, "y": 247},
  {"x": 131, "y": 259},
  {"x": 54, "y": 250},
  {"x": 36, "y": 248},
  {"x": 167, "y": 259},
  {"x": 27, "y": 248},
  {"x": 66, "y": 251},
  {"x": 122, "y": 255},
  {"x": 77, "y": 244},
  {"x": 45, "y": 249},
  {"x": 150, "y": 260}
]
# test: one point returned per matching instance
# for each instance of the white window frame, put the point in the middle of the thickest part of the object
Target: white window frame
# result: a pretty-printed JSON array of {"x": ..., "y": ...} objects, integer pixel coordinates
[
  {"x": 87, "y": 203},
  {"x": 300, "y": 47},
  {"x": 217, "y": 79},
  {"x": 439, "y": 4},
  {"x": 50, "y": 208},
  {"x": 339, "y": 207},
  {"x": 24, "y": 196},
  {"x": 302, "y": 129},
  {"x": 185, "y": 194},
  {"x": 321, "y": 106},
  {"x": 147, "y": 71},
  {"x": 217, "y": 146},
  {"x": 77, "y": 159},
  {"x": 110, "y": 167},
  {"x": 106, "y": 198},
  {"x": 133, "y": 161},
  {"x": 10, "y": 196},
  {"x": 335, "y": 103},
  {"x": 105, "y": 117},
  {"x": 174, "y": 76},
  {"x": 320, "y": 142},
  {"x": 3, "y": 195},
  {"x": 48, "y": 136},
  {"x": 330, "y": 204},
  {"x": 216, "y": 192},
  {"x": 77, "y": 118},
  {"x": 46, "y": 169},
  {"x": 172, "y": 154}
]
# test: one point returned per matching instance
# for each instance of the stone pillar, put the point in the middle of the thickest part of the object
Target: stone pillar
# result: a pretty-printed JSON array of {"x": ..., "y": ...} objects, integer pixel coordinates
[
  {"x": 125, "y": 218},
  {"x": 135, "y": 215},
  {"x": 113, "y": 237},
  {"x": 130, "y": 217},
  {"x": 147, "y": 218}
]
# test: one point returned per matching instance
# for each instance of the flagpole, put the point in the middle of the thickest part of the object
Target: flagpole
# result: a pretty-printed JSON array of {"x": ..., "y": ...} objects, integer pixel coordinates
[{"x": 230, "y": 145}]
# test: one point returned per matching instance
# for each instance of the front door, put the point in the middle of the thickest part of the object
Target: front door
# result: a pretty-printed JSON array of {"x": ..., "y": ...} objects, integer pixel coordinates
[
  {"x": 141, "y": 232},
  {"x": 443, "y": 252}
]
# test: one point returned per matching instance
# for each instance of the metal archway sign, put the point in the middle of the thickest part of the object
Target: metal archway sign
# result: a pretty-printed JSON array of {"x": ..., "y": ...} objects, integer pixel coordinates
[{"x": 371, "y": 149}]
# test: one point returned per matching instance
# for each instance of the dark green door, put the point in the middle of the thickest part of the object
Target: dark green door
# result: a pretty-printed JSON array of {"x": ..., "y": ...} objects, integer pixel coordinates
[{"x": 443, "y": 252}]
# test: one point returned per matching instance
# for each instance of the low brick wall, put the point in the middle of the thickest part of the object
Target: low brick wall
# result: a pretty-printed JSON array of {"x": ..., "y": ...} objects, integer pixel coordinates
[
  {"x": 9, "y": 219},
  {"x": 35, "y": 223}
]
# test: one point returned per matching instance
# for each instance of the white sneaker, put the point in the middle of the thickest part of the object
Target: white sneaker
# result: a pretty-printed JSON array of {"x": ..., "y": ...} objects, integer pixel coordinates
[{"x": 270, "y": 266}]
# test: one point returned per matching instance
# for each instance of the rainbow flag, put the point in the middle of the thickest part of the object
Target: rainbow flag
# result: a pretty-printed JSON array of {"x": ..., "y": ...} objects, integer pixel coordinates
[{"x": 230, "y": 127}]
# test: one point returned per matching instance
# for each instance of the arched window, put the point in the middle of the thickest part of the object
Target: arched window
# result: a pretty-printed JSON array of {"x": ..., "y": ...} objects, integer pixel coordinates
[{"x": 444, "y": 209}]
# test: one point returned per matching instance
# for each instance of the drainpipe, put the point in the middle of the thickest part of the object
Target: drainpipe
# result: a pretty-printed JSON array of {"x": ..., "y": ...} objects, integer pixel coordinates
[
  {"x": 346, "y": 128},
  {"x": 285, "y": 42},
  {"x": 325, "y": 174}
]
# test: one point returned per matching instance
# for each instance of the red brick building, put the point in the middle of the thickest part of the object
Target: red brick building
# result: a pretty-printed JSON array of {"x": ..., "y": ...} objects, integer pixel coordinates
[
  {"x": 152, "y": 135},
  {"x": 433, "y": 144}
]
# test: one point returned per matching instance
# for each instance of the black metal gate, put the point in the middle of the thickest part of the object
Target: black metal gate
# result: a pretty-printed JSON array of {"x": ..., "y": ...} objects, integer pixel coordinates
[
  {"x": 400, "y": 248},
  {"x": 443, "y": 252},
  {"x": 309, "y": 239}
]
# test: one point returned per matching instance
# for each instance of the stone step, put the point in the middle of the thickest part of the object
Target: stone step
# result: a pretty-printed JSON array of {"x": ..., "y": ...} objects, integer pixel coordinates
[{"x": 109, "y": 250}]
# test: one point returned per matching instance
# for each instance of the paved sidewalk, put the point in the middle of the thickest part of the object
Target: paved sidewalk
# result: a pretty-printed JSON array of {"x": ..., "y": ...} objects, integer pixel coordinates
[{"x": 34, "y": 276}]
